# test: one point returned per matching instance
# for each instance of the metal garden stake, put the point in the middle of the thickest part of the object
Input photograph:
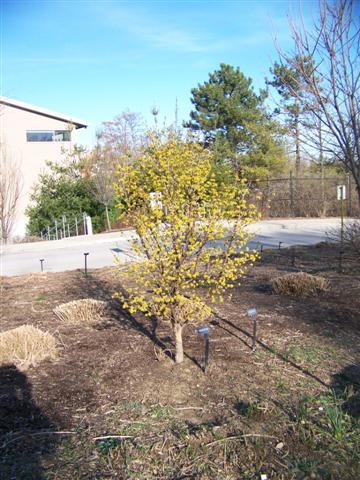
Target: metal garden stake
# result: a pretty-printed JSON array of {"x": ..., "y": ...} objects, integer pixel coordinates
[
  {"x": 293, "y": 255},
  {"x": 85, "y": 255},
  {"x": 204, "y": 332},
  {"x": 252, "y": 313},
  {"x": 341, "y": 195}
]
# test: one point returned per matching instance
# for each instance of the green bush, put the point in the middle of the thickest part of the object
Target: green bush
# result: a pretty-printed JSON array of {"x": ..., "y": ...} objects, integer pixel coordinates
[{"x": 63, "y": 190}]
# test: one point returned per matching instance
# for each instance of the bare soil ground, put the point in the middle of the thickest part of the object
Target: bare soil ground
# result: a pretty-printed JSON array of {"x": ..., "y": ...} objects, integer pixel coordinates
[{"x": 289, "y": 410}]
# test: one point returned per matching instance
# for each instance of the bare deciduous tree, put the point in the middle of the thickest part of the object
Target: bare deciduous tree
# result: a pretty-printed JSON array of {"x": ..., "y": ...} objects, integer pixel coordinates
[
  {"x": 10, "y": 190},
  {"x": 102, "y": 170},
  {"x": 123, "y": 136},
  {"x": 331, "y": 90}
]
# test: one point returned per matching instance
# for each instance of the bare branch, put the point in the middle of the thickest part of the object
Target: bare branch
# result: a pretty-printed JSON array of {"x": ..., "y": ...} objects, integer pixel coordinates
[{"x": 10, "y": 190}]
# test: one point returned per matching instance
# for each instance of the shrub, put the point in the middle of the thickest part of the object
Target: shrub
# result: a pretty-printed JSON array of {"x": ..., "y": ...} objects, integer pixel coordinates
[
  {"x": 26, "y": 346},
  {"x": 85, "y": 311},
  {"x": 191, "y": 230},
  {"x": 62, "y": 190},
  {"x": 299, "y": 284},
  {"x": 351, "y": 235}
]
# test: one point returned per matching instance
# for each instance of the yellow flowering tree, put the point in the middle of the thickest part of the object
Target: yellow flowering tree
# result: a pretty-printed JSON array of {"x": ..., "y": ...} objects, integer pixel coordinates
[{"x": 191, "y": 229}]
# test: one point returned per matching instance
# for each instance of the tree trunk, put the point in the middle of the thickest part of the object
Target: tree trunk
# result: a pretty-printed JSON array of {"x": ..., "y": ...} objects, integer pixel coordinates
[
  {"x": 179, "y": 353},
  {"x": 107, "y": 217},
  {"x": 322, "y": 173},
  {"x": 297, "y": 148}
]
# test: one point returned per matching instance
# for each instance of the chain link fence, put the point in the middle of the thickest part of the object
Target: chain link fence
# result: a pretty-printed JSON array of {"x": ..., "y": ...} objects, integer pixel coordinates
[{"x": 304, "y": 197}]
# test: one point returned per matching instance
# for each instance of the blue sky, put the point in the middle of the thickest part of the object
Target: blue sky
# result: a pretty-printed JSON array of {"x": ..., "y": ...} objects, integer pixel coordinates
[{"x": 95, "y": 59}]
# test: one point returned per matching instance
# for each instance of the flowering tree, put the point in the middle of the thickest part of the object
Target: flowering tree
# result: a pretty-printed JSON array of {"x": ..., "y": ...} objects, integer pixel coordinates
[{"x": 190, "y": 227}]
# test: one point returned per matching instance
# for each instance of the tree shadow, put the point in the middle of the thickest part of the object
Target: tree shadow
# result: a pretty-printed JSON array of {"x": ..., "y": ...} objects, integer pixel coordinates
[
  {"x": 222, "y": 321},
  {"x": 24, "y": 429},
  {"x": 347, "y": 384},
  {"x": 93, "y": 287}
]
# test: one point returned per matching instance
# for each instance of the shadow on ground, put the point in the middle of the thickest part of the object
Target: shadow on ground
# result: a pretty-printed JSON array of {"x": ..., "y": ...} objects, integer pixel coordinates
[
  {"x": 347, "y": 384},
  {"x": 25, "y": 432},
  {"x": 91, "y": 286}
]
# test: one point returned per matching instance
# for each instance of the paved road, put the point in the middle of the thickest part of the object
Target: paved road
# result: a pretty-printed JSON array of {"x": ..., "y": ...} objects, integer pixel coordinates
[{"x": 68, "y": 253}]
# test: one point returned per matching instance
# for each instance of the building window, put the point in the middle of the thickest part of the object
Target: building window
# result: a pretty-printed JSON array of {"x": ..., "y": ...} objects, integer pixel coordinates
[{"x": 48, "y": 136}]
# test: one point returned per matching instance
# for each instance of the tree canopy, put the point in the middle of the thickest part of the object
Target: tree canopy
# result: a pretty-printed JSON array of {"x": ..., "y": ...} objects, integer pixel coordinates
[{"x": 233, "y": 121}]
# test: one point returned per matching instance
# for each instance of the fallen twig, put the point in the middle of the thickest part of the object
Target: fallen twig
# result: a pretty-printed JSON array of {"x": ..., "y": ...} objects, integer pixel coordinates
[
  {"x": 188, "y": 408},
  {"x": 240, "y": 436},
  {"x": 106, "y": 437}
]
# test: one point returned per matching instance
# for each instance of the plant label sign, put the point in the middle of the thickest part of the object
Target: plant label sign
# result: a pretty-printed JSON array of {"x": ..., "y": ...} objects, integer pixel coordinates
[
  {"x": 341, "y": 192},
  {"x": 203, "y": 331},
  {"x": 155, "y": 200}
]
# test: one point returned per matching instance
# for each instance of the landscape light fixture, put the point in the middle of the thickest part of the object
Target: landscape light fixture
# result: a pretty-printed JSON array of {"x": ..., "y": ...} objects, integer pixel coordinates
[
  {"x": 41, "y": 263},
  {"x": 85, "y": 255}
]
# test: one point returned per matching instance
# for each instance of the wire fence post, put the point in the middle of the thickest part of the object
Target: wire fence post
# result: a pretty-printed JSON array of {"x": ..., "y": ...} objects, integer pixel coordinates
[
  {"x": 56, "y": 231},
  {"x": 76, "y": 227},
  {"x": 291, "y": 188},
  {"x": 48, "y": 232}
]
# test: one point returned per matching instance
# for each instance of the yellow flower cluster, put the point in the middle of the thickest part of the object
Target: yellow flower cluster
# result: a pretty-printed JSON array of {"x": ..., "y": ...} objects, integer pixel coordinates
[{"x": 193, "y": 235}]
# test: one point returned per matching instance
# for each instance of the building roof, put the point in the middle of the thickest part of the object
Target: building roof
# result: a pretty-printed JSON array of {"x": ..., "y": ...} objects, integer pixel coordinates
[{"x": 42, "y": 111}]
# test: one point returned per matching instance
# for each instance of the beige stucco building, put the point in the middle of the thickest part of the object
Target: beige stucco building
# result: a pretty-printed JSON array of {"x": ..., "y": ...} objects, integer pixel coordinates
[{"x": 30, "y": 136}]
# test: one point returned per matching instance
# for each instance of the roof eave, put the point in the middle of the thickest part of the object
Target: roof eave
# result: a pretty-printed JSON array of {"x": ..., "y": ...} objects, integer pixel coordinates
[{"x": 42, "y": 111}]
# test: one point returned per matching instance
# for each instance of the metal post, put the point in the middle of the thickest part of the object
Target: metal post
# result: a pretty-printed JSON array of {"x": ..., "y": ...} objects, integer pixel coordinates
[
  {"x": 63, "y": 226},
  {"x": 84, "y": 220},
  {"x": 41, "y": 263},
  {"x": 293, "y": 254},
  {"x": 341, "y": 230},
  {"x": 68, "y": 229},
  {"x": 48, "y": 232},
  {"x": 254, "y": 334},
  {"x": 85, "y": 255},
  {"x": 280, "y": 243},
  {"x": 56, "y": 231},
  {"x": 76, "y": 227},
  {"x": 41, "y": 235},
  {"x": 252, "y": 313},
  {"x": 291, "y": 186},
  {"x": 206, "y": 338}
]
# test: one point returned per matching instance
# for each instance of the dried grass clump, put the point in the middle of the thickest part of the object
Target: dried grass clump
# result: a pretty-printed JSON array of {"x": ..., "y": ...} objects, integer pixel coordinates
[
  {"x": 26, "y": 346},
  {"x": 85, "y": 311},
  {"x": 299, "y": 284}
]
